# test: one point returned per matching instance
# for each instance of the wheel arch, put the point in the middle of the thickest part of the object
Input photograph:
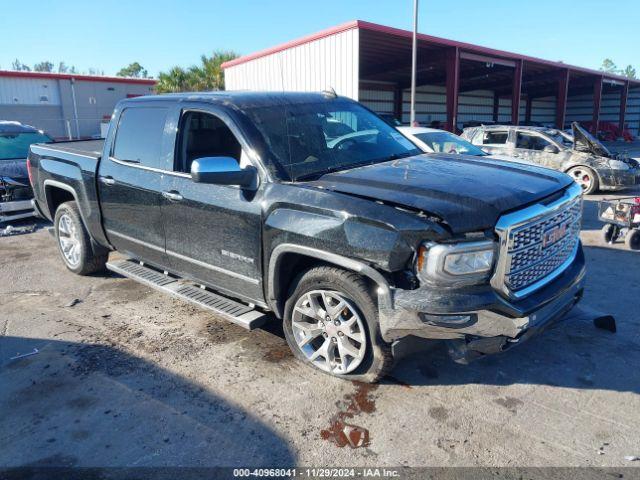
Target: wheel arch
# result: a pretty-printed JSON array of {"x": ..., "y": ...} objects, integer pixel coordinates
[
  {"x": 286, "y": 258},
  {"x": 57, "y": 193}
]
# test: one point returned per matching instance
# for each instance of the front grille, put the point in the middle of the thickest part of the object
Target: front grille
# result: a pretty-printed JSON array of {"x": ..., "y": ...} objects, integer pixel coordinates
[{"x": 537, "y": 243}]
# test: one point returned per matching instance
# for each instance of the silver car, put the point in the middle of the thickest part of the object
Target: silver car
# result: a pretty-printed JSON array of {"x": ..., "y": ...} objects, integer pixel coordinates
[{"x": 580, "y": 155}]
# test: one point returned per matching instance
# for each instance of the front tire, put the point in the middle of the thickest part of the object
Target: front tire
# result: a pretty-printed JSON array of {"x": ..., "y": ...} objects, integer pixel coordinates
[
  {"x": 331, "y": 323},
  {"x": 586, "y": 178},
  {"x": 74, "y": 243}
]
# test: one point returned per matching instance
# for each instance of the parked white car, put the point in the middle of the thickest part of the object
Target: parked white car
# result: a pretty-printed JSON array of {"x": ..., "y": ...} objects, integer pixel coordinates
[{"x": 432, "y": 140}]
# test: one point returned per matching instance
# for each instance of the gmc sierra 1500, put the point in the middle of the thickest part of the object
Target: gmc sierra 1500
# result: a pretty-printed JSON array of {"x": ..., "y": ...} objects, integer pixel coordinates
[{"x": 258, "y": 207}]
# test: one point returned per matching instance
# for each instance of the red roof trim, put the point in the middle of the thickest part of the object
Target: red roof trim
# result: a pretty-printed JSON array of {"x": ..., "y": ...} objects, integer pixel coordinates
[
  {"x": 428, "y": 38},
  {"x": 79, "y": 78},
  {"x": 294, "y": 43}
]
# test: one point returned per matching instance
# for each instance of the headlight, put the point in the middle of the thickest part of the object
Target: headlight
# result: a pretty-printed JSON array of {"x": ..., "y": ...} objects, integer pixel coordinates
[
  {"x": 456, "y": 263},
  {"x": 618, "y": 165}
]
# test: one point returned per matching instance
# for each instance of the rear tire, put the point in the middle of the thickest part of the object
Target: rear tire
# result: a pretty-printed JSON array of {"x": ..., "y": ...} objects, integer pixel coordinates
[
  {"x": 74, "y": 242},
  {"x": 608, "y": 233},
  {"x": 342, "y": 331},
  {"x": 586, "y": 178},
  {"x": 632, "y": 240}
]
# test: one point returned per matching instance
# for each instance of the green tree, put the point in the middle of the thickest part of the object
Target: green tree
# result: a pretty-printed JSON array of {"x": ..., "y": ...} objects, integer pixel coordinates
[
  {"x": 608, "y": 66},
  {"x": 45, "y": 66},
  {"x": 175, "y": 80},
  {"x": 133, "y": 70},
  {"x": 19, "y": 66},
  {"x": 629, "y": 72},
  {"x": 206, "y": 76}
]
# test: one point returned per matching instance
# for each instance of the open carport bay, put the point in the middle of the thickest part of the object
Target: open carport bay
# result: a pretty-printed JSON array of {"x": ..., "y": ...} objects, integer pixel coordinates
[{"x": 125, "y": 376}]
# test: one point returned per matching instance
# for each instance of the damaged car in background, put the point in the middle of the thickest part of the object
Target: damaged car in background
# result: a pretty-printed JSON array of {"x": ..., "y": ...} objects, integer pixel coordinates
[
  {"x": 248, "y": 205},
  {"x": 581, "y": 155},
  {"x": 15, "y": 189}
]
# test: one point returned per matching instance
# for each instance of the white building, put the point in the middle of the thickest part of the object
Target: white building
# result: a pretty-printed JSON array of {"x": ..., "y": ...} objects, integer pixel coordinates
[
  {"x": 458, "y": 82},
  {"x": 65, "y": 105}
]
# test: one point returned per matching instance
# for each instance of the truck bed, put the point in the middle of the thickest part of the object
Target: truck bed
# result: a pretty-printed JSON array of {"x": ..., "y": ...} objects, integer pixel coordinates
[{"x": 85, "y": 148}]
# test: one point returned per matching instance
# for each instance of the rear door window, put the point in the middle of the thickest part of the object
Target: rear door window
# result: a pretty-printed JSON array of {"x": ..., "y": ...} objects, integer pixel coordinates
[
  {"x": 495, "y": 137},
  {"x": 531, "y": 141},
  {"x": 139, "y": 136}
]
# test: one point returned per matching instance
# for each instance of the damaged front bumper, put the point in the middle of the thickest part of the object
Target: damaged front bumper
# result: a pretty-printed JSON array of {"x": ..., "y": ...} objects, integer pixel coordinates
[
  {"x": 15, "y": 200},
  {"x": 619, "y": 179},
  {"x": 476, "y": 320}
]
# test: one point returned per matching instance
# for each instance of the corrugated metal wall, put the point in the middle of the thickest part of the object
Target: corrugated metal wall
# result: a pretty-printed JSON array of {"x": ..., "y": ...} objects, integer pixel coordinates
[
  {"x": 329, "y": 62},
  {"x": 29, "y": 91},
  {"x": 476, "y": 105},
  {"x": 580, "y": 108},
  {"x": 47, "y": 103}
]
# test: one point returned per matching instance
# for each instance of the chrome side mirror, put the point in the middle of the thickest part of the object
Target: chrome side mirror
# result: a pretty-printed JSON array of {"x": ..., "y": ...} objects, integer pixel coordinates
[{"x": 222, "y": 171}]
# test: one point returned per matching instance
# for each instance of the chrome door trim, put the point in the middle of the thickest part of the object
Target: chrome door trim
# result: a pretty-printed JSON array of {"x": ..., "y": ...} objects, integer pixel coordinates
[{"x": 230, "y": 273}]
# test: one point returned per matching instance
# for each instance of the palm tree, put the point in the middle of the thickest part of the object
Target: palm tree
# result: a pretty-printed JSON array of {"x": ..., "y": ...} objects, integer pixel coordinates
[
  {"x": 175, "y": 80},
  {"x": 207, "y": 76}
]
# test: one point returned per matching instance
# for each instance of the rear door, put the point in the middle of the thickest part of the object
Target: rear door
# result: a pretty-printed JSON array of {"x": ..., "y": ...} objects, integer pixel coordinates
[
  {"x": 493, "y": 141},
  {"x": 131, "y": 181},
  {"x": 213, "y": 232}
]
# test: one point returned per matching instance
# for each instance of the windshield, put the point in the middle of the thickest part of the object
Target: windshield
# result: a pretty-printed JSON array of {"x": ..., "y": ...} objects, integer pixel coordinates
[
  {"x": 310, "y": 139},
  {"x": 445, "y": 142},
  {"x": 561, "y": 137},
  {"x": 16, "y": 145}
]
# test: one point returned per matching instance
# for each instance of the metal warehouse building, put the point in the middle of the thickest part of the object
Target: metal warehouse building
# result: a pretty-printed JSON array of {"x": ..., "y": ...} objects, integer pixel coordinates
[
  {"x": 457, "y": 82},
  {"x": 64, "y": 105}
]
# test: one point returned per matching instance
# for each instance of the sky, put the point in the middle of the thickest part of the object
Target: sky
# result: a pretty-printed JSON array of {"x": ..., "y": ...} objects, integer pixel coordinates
[{"x": 159, "y": 34}]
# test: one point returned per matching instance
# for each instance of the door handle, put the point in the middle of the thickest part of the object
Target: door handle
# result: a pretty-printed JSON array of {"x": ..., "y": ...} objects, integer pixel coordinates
[
  {"x": 172, "y": 195},
  {"x": 108, "y": 180}
]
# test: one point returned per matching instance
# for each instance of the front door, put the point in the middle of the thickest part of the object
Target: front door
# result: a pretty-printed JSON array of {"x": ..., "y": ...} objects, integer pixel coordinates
[
  {"x": 131, "y": 182},
  {"x": 530, "y": 146},
  {"x": 213, "y": 232}
]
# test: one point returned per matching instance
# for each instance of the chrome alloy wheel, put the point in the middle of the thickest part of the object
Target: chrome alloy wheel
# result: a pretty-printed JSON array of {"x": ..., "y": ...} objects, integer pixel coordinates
[
  {"x": 329, "y": 331},
  {"x": 582, "y": 178},
  {"x": 69, "y": 240}
]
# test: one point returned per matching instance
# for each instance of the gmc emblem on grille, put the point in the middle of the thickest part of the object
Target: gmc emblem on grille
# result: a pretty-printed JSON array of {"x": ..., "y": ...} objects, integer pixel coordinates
[{"x": 554, "y": 234}]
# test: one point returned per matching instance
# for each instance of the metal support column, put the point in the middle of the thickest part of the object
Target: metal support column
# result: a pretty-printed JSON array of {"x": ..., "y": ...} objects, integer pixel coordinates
[
  {"x": 515, "y": 93},
  {"x": 414, "y": 64},
  {"x": 397, "y": 103},
  {"x": 597, "y": 101},
  {"x": 561, "y": 100},
  {"x": 624, "y": 94},
  {"x": 527, "y": 109},
  {"x": 453, "y": 87}
]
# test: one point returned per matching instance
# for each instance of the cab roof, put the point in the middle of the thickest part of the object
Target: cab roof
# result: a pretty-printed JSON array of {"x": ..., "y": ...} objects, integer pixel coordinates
[{"x": 243, "y": 99}]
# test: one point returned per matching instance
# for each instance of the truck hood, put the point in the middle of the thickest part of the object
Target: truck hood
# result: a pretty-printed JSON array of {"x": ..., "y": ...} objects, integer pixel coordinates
[
  {"x": 14, "y": 169},
  {"x": 468, "y": 193}
]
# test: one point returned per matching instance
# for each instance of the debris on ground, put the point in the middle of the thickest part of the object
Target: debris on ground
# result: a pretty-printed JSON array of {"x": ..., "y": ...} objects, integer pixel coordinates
[
  {"x": 11, "y": 230},
  {"x": 73, "y": 303},
  {"x": 606, "y": 322},
  {"x": 22, "y": 355},
  {"x": 632, "y": 458}
]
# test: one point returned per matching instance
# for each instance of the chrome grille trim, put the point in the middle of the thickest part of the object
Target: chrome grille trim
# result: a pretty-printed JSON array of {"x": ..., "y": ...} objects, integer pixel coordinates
[{"x": 523, "y": 264}]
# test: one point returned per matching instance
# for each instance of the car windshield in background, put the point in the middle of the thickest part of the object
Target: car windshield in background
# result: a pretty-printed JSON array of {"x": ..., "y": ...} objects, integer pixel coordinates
[
  {"x": 311, "y": 139},
  {"x": 444, "y": 142},
  {"x": 16, "y": 145},
  {"x": 561, "y": 137}
]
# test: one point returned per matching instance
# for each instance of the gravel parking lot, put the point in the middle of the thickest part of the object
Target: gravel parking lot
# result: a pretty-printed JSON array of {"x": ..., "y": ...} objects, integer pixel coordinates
[{"x": 125, "y": 376}]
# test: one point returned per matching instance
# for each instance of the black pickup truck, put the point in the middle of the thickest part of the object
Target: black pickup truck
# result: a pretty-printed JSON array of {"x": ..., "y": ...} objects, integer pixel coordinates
[{"x": 310, "y": 209}]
